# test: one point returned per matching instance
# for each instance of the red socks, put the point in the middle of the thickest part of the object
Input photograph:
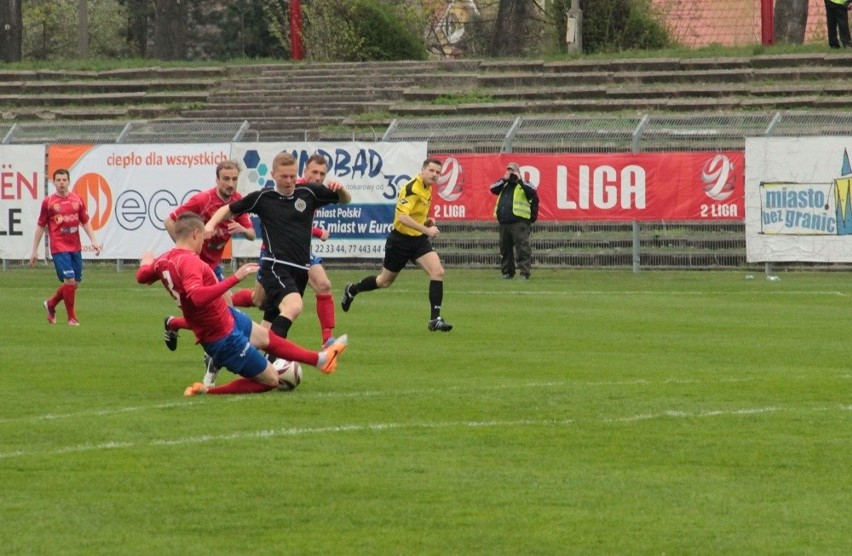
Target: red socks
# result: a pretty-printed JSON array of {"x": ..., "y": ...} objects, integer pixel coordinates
[
  {"x": 66, "y": 293},
  {"x": 281, "y": 347},
  {"x": 241, "y": 385},
  {"x": 57, "y": 297},
  {"x": 325, "y": 312},
  {"x": 70, "y": 296},
  {"x": 176, "y": 323},
  {"x": 242, "y": 298}
]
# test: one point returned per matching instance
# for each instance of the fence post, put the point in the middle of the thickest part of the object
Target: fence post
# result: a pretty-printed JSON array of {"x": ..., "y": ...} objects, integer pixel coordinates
[
  {"x": 636, "y": 266},
  {"x": 635, "y": 148},
  {"x": 389, "y": 131},
  {"x": 510, "y": 135}
]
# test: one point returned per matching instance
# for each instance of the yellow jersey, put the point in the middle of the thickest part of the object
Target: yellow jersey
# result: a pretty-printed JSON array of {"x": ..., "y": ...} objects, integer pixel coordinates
[{"x": 415, "y": 200}]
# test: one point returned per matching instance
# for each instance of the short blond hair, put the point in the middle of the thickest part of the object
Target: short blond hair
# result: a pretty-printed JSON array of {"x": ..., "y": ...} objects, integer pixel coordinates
[{"x": 283, "y": 159}]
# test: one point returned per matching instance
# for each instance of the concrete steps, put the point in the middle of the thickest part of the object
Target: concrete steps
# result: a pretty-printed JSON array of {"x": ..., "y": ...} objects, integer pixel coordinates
[
  {"x": 310, "y": 98},
  {"x": 526, "y": 87}
]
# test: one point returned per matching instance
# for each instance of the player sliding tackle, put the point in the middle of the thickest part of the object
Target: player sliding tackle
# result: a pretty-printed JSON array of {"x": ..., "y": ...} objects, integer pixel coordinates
[{"x": 228, "y": 336}]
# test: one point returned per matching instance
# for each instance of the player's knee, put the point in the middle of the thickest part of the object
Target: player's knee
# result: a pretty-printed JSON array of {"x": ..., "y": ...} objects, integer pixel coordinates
[
  {"x": 268, "y": 378},
  {"x": 322, "y": 287}
]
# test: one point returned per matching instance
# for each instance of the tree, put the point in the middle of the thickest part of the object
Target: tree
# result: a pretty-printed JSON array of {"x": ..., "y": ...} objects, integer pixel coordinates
[
  {"x": 791, "y": 18},
  {"x": 11, "y": 24},
  {"x": 359, "y": 30},
  {"x": 170, "y": 26},
  {"x": 509, "y": 36},
  {"x": 139, "y": 13}
]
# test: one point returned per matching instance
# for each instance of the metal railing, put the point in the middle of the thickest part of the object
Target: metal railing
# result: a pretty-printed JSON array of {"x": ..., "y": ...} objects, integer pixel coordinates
[
  {"x": 613, "y": 133},
  {"x": 616, "y": 244}
]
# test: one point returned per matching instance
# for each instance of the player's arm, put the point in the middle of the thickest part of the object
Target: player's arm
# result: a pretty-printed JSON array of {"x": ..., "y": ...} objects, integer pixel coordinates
[
  {"x": 242, "y": 225},
  {"x": 41, "y": 226},
  {"x": 343, "y": 195},
  {"x": 203, "y": 295},
  {"x": 146, "y": 273},
  {"x": 407, "y": 220},
  {"x": 224, "y": 213},
  {"x": 87, "y": 227},
  {"x": 39, "y": 235}
]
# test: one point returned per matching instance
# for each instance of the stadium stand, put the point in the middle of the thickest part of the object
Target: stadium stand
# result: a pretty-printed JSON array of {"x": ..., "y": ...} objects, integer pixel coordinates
[{"x": 520, "y": 106}]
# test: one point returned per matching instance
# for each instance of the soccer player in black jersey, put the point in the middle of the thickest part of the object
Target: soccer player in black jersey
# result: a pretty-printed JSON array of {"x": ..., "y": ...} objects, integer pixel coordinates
[{"x": 286, "y": 214}]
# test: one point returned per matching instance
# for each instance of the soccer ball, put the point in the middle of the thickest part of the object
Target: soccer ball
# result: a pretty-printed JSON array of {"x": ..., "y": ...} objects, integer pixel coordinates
[{"x": 289, "y": 374}]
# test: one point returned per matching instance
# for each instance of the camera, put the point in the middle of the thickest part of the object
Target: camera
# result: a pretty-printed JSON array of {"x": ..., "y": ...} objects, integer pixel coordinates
[{"x": 513, "y": 178}]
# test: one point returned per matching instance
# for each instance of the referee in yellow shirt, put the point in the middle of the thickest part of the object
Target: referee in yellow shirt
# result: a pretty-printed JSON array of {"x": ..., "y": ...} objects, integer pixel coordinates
[{"x": 409, "y": 241}]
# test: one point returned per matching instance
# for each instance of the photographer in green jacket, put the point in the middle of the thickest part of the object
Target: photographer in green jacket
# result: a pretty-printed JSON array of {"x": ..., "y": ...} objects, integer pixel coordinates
[
  {"x": 516, "y": 211},
  {"x": 838, "y": 23}
]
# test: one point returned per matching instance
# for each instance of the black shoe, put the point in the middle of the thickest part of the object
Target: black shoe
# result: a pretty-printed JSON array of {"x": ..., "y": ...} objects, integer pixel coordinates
[
  {"x": 525, "y": 276},
  {"x": 169, "y": 336},
  {"x": 347, "y": 298},
  {"x": 508, "y": 276},
  {"x": 438, "y": 325}
]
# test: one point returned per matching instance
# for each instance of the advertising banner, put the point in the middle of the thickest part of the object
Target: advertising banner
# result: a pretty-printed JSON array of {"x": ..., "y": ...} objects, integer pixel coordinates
[
  {"x": 571, "y": 187},
  {"x": 798, "y": 199},
  {"x": 21, "y": 193},
  {"x": 130, "y": 189},
  {"x": 372, "y": 172}
]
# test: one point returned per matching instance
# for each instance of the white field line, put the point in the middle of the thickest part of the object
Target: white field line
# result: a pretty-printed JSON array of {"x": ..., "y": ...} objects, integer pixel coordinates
[
  {"x": 183, "y": 403},
  {"x": 379, "y": 427}
]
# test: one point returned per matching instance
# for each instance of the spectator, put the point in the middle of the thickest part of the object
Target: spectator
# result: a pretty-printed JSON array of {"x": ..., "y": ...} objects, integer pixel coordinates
[
  {"x": 837, "y": 19},
  {"x": 516, "y": 212}
]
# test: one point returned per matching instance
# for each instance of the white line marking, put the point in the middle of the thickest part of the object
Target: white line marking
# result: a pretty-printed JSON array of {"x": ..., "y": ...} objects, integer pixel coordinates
[
  {"x": 184, "y": 403},
  {"x": 378, "y": 427}
]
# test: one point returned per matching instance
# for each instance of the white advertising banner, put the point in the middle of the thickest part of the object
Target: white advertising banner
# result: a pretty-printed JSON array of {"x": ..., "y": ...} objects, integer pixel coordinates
[
  {"x": 21, "y": 193},
  {"x": 372, "y": 172},
  {"x": 130, "y": 189},
  {"x": 798, "y": 199}
]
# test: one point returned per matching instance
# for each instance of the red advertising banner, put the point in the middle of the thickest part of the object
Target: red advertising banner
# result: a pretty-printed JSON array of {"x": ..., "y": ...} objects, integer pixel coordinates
[{"x": 645, "y": 186}]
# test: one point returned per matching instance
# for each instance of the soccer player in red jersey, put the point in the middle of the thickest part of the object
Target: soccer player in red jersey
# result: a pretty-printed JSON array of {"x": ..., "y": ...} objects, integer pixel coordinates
[
  {"x": 228, "y": 336},
  {"x": 206, "y": 204},
  {"x": 62, "y": 215}
]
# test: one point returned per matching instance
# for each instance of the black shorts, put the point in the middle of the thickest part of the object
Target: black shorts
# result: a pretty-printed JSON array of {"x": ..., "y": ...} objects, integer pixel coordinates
[
  {"x": 279, "y": 280},
  {"x": 400, "y": 248}
]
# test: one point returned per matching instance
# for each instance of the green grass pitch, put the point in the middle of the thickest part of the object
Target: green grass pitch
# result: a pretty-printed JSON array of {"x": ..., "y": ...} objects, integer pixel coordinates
[{"x": 582, "y": 412}]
